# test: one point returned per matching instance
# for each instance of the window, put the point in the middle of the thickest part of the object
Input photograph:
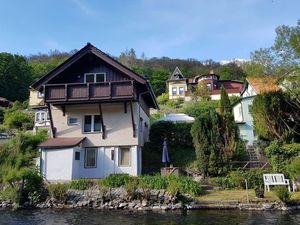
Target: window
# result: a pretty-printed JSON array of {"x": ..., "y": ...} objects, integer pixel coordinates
[
  {"x": 124, "y": 156},
  {"x": 181, "y": 90},
  {"x": 92, "y": 123},
  {"x": 112, "y": 155},
  {"x": 174, "y": 91},
  {"x": 240, "y": 111},
  {"x": 90, "y": 158},
  {"x": 254, "y": 133},
  {"x": 94, "y": 77},
  {"x": 72, "y": 121},
  {"x": 41, "y": 117},
  {"x": 208, "y": 86},
  {"x": 250, "y": 109},
  {"x": 40, "y": 94},
  {"x": 77, "y": 155}
]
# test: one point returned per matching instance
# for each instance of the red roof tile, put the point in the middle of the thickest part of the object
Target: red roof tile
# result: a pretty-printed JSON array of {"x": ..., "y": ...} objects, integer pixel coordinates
[{"x": 61, "y": 142}]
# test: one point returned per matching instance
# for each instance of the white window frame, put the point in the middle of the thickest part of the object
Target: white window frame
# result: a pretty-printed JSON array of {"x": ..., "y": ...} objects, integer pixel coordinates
[
  {"x": 92, "y": 124},
  {"x": 95, "y": 76},
  {"x": 85, "y": 157},
  {"x": 72, "y": 124},
  {"x": 44, "y": 116},
  {"x": 120, "y": 155}
]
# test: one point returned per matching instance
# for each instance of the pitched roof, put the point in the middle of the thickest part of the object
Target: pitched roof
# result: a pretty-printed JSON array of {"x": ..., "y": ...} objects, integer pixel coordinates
[
  {"x": 176, "y": 75},
  {"x": 264, "y": 84},
  {"x": 61, "y": 142},
  {"x": 89, "y": 48}
]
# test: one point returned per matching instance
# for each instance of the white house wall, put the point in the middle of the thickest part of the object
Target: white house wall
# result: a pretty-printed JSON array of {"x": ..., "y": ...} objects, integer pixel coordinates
[
  {"x": 57, "y": 164},
  {"x": 247, "y": 127},
  {"x": 60, "y": 164},
  {"x": 118, "y": 124}
]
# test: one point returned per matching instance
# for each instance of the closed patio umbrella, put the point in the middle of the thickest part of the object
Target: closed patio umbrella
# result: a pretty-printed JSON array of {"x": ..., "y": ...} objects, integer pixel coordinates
[{"x": 165, "y": 155}]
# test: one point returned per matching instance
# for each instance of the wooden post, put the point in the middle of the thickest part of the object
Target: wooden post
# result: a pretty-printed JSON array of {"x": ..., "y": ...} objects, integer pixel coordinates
[
  {"x": 102, "y": 123},
  {"x": 132, "y": 120},
  {"x": 51, "y": 120},
  {"x": 247, "y": 190}
]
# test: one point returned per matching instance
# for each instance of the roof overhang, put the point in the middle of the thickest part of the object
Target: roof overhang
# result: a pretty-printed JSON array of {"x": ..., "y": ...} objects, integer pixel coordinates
[{"x": 61, "y": 142}]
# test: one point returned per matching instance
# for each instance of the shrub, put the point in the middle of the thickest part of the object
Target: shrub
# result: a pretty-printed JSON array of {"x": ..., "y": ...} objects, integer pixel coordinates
[
  {"x": 153, "y": 182},
  {"x": 58, "y": 191},
  {"x": 221, "y": 182},
  {"x": 186, "y": 185},
  {"x": 10, "y": 194},
  {"x": 81, "y": 184},
  {"x": 236, "y": 179},
  {"x": 34, "y": 188},
  {"x": 282, "y": 193},
  {"x": 114, "y": 180},
  {"x": 163, "y": 98},
  {"x": 255, "y": 178},
  {"x": 294, "y": 169}
]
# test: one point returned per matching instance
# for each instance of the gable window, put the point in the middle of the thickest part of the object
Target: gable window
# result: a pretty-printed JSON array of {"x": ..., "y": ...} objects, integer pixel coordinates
[
  {"x": 90, "y": 160},
  {"x": 174, "y": 91},
  {"x": 92, "y": 123},
  {"x": 41, "y": 116},
  {"x": 124, "y": 156},
  {"x": 181, "y": 90},
  {"x": 72, "y": 121},
  {"x": 94, "y": 77}
]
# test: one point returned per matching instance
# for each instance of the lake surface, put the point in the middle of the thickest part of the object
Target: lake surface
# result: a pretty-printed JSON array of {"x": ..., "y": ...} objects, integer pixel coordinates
[{"x": 91, "y": 217}]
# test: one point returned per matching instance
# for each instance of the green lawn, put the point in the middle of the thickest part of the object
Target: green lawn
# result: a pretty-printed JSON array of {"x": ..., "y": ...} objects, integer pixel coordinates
[{"x": 241, "y": 196}]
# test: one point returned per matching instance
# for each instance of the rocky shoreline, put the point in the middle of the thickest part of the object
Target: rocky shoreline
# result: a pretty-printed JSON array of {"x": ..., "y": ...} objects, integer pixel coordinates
[{"x": 142, "y": 200}]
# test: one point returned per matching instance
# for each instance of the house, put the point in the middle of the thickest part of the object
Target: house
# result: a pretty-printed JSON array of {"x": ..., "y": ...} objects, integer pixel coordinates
[
  {"x": 180, "y": 87},
  {"x": 242, "y": 109},
  {"x": 97, "y": 113}
]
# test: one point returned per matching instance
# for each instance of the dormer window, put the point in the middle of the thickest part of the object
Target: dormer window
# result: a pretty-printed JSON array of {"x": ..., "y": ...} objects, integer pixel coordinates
[{"x": 94, "y": 77}]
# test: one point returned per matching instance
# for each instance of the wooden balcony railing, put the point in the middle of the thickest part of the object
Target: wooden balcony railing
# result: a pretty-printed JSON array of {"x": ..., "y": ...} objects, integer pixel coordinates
[{"x": 88, "y": 91}]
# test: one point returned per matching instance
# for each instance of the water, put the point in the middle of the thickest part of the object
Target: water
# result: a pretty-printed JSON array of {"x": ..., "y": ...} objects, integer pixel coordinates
[{"x": 93, "y": 217}]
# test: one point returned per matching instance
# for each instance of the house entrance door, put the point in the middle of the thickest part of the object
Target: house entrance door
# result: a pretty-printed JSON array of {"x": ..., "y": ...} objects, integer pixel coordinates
[{"x": 109, "y": 161}]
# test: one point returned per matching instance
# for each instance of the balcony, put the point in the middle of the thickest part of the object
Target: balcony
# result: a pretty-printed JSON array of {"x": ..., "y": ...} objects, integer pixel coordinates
[{"x": 78, "y": 92}]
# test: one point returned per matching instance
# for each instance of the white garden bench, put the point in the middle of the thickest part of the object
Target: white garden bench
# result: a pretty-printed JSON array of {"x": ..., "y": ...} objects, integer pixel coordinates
[{"x": 275, "y": 179}]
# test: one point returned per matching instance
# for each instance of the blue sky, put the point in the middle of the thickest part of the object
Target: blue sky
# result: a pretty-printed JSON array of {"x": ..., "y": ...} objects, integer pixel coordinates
[{"x": 200, "y": 29}]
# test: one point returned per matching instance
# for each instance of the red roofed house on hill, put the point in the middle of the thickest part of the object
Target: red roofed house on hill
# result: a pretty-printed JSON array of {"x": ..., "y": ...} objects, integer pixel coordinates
[{"x": 179, "y": 87}]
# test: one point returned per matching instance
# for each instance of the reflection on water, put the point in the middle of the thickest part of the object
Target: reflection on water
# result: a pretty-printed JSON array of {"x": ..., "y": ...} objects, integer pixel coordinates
[{"x": 91, "y": 217}]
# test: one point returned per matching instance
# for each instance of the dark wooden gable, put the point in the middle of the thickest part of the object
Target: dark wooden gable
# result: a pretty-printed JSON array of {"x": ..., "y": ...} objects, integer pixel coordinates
[
  {"x": 88, "y": 58},
  {"x": 88, "y": 64}
]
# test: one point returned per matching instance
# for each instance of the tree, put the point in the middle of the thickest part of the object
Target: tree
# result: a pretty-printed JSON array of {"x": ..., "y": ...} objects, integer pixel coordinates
[
  {"x": 283, "y": 57},
  {"x": 231, "y": 71},
  {"x": 15, "y": 77},
  {"x": 229, "y": 132},
  {"x": 206, "y": 139},
  {"x": 128, "y": 58},
  {"x": 225, "y": 105},
  {"x": 276, "y": 116},
  {"x": 17, "y": 118},
  {"x": 200, "y": 92}
]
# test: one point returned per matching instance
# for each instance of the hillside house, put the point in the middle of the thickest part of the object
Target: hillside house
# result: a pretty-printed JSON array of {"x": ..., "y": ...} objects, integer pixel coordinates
[
  {"x": 180, "y": 87},
  {"x": 242, "y": 109},
  {"x": 97, "y": 113}
]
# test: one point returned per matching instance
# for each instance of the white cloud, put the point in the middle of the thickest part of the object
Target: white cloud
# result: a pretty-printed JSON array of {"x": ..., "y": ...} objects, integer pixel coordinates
[{"x": 84, "y": 8}]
